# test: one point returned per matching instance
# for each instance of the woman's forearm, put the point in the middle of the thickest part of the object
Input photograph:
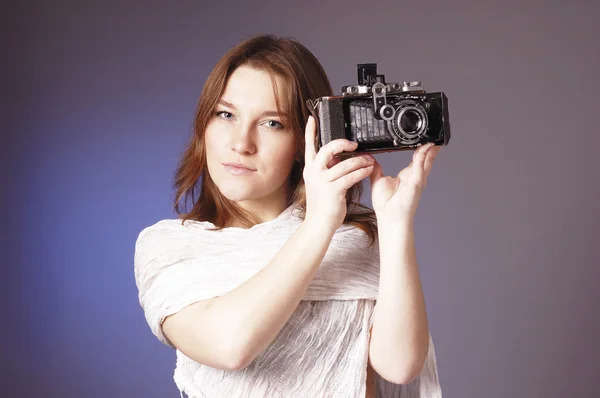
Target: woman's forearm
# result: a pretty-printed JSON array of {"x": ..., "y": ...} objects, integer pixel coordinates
[
  {"x": 400, "y": 332},
  {"x": 251, "y": 316}
]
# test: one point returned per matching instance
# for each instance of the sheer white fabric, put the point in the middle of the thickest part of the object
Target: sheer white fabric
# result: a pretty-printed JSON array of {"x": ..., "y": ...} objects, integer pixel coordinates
[{"x": 322, "y": 351}]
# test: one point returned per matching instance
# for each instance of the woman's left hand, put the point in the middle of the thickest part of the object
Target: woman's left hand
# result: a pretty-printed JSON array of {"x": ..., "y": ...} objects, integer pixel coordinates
[{"x": 397, "y": 198}]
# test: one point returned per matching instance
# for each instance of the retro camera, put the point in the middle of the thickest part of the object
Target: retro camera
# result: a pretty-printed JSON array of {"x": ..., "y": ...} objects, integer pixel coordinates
[{"x": 380, "y": 116}]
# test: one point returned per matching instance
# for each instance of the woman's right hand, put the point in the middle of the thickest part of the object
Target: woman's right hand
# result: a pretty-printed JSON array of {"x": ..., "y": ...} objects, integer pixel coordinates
[{"x": 326, "y": 179}]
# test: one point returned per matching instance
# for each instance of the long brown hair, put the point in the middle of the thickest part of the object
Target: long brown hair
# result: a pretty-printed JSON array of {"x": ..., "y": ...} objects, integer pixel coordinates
[{"x": 305, "y": 79}]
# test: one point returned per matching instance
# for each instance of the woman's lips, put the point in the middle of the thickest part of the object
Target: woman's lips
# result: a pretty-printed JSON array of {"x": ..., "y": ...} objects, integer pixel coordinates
[{"x": 238, "y": 169}]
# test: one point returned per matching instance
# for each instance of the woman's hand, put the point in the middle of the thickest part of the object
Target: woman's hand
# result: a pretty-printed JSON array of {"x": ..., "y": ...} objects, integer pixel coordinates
[
  {"x": 397, "y": 198},
  {"x": 327, "y": 179}
]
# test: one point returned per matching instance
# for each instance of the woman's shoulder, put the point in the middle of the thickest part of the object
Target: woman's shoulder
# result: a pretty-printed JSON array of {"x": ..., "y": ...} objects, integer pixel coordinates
[
  {"x": 161, "y": 227},
  {"x": 169, "y": 229},
  {"x": 176, "y": 225},
  {"x": 165, "y": 241}
]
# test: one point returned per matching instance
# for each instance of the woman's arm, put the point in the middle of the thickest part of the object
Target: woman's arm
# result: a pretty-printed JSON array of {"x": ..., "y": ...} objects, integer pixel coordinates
[
  {"x": 228, "y": 332},
  {"x": 400, "y": 332}
]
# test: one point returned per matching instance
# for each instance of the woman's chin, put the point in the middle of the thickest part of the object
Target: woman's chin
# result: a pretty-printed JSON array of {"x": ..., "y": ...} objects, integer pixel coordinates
[
  {"x": 239, "y": 195},
  {"x": 237, "y": 192}
]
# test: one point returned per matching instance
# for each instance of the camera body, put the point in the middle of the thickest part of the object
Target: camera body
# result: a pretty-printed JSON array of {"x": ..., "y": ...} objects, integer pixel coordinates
[{"x": 380, "y": 116}]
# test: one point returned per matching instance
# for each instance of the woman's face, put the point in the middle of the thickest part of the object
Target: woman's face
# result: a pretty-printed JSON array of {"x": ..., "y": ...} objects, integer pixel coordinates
[{"x": 249, "y": 150}]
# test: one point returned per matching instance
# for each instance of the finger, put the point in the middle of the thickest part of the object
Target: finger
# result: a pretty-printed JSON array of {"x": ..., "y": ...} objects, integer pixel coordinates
[
  {"x": 310, "y": 133},
  {"x": 376, "y": 174},
  {"x": 335, "y": 160},
  {"x": 405, "y": 172},
  {"x": 327, "y": 152},
  {"x": 347, "y": 181},
  {"x": 348, "y": 165},
  {"x": 431, "y": 155},
  {"x": 418, "y": 166}
]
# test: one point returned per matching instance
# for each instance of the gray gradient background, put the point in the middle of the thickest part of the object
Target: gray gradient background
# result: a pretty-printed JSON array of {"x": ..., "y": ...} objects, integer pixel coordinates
[{"x": 97, "y": 102}]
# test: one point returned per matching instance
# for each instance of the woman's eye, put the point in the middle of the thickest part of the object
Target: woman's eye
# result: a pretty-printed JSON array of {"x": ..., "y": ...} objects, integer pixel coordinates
[
  {"x": 225, "y": 114},
  {"x": 274, "y": 124}
]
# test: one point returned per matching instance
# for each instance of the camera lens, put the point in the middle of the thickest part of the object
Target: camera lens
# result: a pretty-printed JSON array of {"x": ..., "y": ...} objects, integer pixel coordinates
[{"x": 410, "y": 121}]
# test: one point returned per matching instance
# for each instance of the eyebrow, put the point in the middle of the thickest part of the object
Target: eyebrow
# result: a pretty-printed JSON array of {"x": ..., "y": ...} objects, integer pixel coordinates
[{"x": 268, "y": 113}]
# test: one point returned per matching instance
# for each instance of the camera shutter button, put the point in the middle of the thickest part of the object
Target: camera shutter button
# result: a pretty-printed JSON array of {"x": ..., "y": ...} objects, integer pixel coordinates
[{"x": 412, "y": 86}]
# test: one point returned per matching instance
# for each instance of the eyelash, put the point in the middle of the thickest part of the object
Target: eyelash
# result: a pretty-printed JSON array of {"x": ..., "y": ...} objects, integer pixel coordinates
[{"x": 222, "y": 114}]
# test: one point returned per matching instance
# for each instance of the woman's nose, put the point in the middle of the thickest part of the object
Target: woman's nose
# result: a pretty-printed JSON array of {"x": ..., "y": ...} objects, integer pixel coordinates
[{"x": 244, "y": 141}]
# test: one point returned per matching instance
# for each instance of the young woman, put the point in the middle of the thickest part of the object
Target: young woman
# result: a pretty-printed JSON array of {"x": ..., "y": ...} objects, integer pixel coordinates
[{"x": 275, "y": 281}]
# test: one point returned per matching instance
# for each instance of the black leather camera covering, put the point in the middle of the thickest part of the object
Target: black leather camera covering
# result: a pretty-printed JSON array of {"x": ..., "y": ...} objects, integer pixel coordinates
[{"x": 331, "y": 118}]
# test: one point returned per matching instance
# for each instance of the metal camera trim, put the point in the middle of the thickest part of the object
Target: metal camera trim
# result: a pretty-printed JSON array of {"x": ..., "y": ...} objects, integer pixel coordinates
[
  {"x": 390, "y": 88},
  {"x": 403, "y": 136}
]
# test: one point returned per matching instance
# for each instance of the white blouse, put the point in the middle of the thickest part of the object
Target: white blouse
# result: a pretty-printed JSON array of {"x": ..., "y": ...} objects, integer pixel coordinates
[{"x": 322, "y": 351}]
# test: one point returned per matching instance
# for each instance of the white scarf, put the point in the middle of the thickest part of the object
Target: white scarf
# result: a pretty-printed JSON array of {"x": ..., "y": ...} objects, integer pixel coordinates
[{"x": 177, "y": 265}]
